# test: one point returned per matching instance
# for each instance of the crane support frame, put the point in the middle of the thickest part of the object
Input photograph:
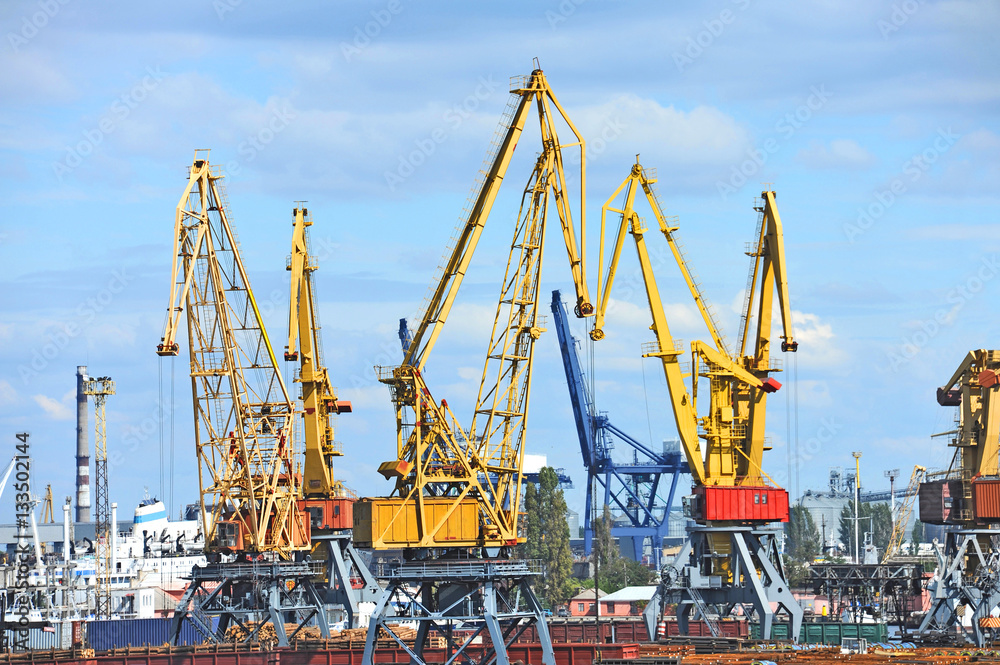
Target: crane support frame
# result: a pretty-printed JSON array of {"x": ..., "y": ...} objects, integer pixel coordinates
[{"x": 441, "y": 595}]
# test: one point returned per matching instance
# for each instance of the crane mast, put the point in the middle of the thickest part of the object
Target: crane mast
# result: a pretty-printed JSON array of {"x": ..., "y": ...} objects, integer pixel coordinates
[
  {"x": 243, "y": 414},
  {"x": 327, "y": 502},
  {"x": 249, "y": 482},
  {"x": 733, "y": 429},
  {"x": 319, "y": 399},
  {"x": 456, "y": 502}
]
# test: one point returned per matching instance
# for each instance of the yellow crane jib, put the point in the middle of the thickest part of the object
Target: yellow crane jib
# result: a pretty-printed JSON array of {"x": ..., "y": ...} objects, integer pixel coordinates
[
  {"x": 325, "y": 499},
  {"x": 457, "y": 487},
  {"x": 248, "y": 481}
]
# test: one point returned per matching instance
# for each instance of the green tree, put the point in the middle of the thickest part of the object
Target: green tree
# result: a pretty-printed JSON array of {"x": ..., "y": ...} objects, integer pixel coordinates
[
  {"x": 615, "y": 571},
  {"x": 803, "y": 537},
  {"x": 797, "y": 572},
  {"x": 880, "y": 524},
  {"x": 547, "y": 537},
  {"x": 916, "y": 536}
]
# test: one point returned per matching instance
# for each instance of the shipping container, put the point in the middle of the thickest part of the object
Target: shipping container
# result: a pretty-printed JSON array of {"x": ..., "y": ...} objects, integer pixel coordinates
[
  {"x": 987, "y": 493},
  {"x": 116, "y": 633},
  {"x": 826, "y": 632},
  {"x": 742, "y": 504},
  {"x": 36, "y": 639},
  {"x": 585, "y": 632},
  {"x": 374, "y": 524},
  {"x": 729, "y": 629}
]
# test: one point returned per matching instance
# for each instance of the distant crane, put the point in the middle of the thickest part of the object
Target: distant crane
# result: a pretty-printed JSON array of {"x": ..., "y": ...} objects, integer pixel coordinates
[
  {"x": 100, "y": 389},
  {"x": 641, "y": 491},
  {"x": 901, "y": 518}
]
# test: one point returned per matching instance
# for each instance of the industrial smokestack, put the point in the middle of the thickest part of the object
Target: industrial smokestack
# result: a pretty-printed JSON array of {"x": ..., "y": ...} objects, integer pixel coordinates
[{"x": 82, "y": 449}]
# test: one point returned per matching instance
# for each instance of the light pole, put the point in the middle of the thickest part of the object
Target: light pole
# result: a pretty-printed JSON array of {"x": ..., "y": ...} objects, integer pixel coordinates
[
  {"x": 857, "y": 501},
  {"x": 892, "y": 475}
]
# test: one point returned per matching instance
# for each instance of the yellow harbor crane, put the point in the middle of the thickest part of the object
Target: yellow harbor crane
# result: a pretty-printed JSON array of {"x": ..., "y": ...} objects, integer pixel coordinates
[
  {"x": 249, "y": 480},
  {"x": 326, "y": 501},
  {"x": 732, "y": 496},
  {"x": 456, "y": 502},
  {"x": 966, "y": 497},
  {"x": 901, "y": 519}
]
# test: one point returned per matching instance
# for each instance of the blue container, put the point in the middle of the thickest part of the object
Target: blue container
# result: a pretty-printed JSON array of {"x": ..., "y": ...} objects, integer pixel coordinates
[{"x": 117, "y": 633}]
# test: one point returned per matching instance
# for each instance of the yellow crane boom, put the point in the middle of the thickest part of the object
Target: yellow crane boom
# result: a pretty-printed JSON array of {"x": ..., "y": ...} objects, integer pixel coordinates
[{"x": 458, "y": 488}]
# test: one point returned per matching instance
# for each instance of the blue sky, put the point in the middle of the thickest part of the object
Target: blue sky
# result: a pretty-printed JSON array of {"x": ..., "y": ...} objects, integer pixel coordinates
[{"x": 876, "y": 123}]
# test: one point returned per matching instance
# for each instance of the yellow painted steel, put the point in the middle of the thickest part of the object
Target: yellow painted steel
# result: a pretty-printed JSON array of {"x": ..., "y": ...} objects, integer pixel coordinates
[
  {"x": 437, "y": 460},
  {"x": 391, "y": 523},
  {"x": 319, "y": 399},
  {"x": 243, "y": 414},
  {"x": 733, "y": 429},
  {"x": 977, "y": 438}
]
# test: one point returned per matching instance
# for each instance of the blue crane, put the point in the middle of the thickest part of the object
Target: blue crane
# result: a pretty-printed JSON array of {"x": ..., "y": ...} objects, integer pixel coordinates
[{"x": 641, "y": 491}]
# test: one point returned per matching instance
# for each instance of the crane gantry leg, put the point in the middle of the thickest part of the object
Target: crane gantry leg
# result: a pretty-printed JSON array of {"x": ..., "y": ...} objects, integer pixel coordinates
[
  {"x": 967, "y": 580},
  {"x": 751, "y": 574}
]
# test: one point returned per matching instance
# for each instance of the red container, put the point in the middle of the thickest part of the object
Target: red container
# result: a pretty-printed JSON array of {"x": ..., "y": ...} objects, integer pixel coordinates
[
  {"x": 742, "y": 504},
  {"x": 987, "y": 497},
  {"x": 730, "y": 629}
]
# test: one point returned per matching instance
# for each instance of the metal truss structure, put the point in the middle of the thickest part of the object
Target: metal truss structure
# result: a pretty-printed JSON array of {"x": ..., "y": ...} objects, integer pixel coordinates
[
  {"x": 278, "y": 593},
  {"x": 878, "y": 590},
  {"x": 753, "y": 576},
  {"x": 967, "y": 580},
  {"x": 349, "y": 580},
  {"x": 492, "y": 597},
  {"x": 640, "y": 491}
]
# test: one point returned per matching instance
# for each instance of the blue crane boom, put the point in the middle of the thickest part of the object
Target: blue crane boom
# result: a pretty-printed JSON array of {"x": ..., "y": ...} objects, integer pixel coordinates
[{"x": 641, "y": 491}]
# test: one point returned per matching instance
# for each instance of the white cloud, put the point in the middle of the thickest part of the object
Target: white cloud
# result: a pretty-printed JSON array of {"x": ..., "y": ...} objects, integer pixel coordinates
[
  {"x": 840, "y": 154},
  {"x": 8, "y": 396},
  {"x": 702, "y": 136},
  {"x": 817, "y": 341},
  {"x": 53, "y": 408}
]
